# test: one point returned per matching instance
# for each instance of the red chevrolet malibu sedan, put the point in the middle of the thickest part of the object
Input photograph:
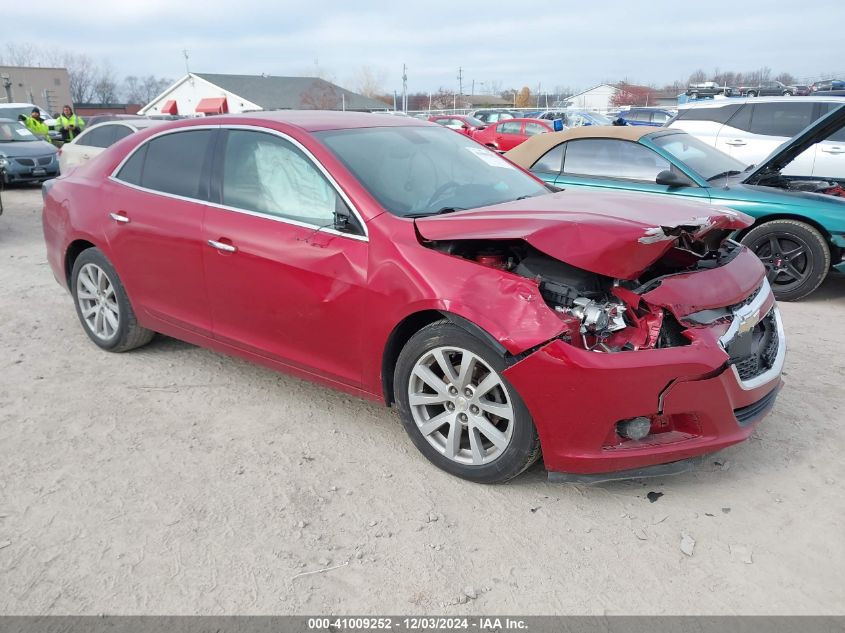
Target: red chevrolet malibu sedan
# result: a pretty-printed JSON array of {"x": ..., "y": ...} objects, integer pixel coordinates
[{"x": 620, "y": 334}]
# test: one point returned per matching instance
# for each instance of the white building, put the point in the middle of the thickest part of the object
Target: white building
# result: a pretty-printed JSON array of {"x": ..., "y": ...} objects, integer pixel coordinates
[
  {"x": 597, "y": 99},
  {"x": 198, "y": 94}
]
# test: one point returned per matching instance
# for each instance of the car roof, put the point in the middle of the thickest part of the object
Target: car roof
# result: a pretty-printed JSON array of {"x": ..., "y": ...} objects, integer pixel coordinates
[
  {"x": 317, "y": 120},
  {"x": 536, "y": 146},
  {"x": 714, "y": 103},
  {"x": 138, "y": 124}
]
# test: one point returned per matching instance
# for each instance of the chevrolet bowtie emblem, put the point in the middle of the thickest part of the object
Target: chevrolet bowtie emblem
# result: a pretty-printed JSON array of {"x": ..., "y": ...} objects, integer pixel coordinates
[{"x": 747, "y": 324}]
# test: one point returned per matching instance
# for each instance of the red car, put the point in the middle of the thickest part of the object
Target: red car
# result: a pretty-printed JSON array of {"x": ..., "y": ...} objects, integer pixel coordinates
[
  {"x": 459, "y": 122},
  {"x": 397, "y": 261},
  {"x": 505, "y": 135}
]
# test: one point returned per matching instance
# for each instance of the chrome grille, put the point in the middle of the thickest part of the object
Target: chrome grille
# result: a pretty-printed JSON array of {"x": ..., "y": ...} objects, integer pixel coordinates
[{"x": 755, "y": 351}]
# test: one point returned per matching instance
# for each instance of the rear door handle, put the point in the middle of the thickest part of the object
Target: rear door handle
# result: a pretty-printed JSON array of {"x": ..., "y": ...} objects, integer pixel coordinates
[
  {"x": 736, "y": 142},
  {"x": 117, "y": 217},
  {"x": 222, "y": 246}
]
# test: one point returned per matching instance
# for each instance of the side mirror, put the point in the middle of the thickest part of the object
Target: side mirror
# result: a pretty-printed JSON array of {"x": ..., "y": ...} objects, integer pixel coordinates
[
  {"x": 619, "y": 121},
  {"x": 557, "y": 124},
  {"x": 672, "y": 179},
  {"x": 341, "y": 220},
  {"x": 465, "y": 127}
]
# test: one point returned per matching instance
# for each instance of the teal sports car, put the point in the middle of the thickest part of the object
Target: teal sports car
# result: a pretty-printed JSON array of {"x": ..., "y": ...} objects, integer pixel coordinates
[{"x": 799, "y": 232}]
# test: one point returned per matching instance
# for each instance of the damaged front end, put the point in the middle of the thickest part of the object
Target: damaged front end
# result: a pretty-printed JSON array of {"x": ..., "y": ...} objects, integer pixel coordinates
[
  {"x": 599, "y": 313},
  {"x": 664, "y": 361}
]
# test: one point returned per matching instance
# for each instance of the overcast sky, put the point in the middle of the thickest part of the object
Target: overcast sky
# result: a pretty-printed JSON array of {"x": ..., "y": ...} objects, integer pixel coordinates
[{"x": 576, "y": 45}]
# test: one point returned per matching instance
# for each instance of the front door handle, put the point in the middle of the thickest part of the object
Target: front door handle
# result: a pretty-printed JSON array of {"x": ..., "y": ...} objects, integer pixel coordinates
[
  {"x": 833, "y": 150},
  {"x": 736, "y": 142},
  {"x": 222, "y": 246},
  {"x": 117, "y": 217}
]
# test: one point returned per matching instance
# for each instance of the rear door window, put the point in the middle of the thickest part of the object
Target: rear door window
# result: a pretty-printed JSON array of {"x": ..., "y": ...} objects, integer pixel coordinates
[
  {"x": 510, "y": 127},
  {"x": 121, "y": 132},
  {"x": 532, "y": 129},
  {"x": 171, "y": 164},
  {"x": 102, "y": 136},
  {"x": 781, "y": 119},
  {"x": 719, "y": 114}
]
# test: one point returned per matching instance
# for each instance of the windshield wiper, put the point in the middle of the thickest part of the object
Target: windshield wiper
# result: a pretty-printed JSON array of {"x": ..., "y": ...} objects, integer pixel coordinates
[
  {"x": 724, "y": 174},
  {"x": 439, "y": 211}
]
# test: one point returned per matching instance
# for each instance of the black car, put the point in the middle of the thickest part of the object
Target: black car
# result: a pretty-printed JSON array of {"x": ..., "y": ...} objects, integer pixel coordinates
[{"x": 767, "y": 89}]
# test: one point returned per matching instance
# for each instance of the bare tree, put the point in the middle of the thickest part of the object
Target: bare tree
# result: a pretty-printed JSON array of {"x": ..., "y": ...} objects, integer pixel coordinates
[
  {"x": 369, "y": 81},
  {"x": 152, "y": 86},
  {"x": 698, "y": 77},
  {"x": 785, "y": 78},
  {"x": 20, "y": 54},
  {"x": 105, "y": 86},
  {"x": 320, "y": 96},
  {"x": 132, "y": 90}
]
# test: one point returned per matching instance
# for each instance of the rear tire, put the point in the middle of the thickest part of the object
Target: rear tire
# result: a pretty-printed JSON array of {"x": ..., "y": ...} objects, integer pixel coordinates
[
  {"x": 102, "y": 304},
  {"x": 445, "y": 374},
  {"x": 750, "y": 93},
  {"x": 796, "y": 256}
]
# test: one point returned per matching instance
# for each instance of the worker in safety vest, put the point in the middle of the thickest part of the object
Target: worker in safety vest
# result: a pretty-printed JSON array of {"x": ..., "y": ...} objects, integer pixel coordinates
[
  {"x": 36, "y": 125},
  {"x": 69, "y": 124}
]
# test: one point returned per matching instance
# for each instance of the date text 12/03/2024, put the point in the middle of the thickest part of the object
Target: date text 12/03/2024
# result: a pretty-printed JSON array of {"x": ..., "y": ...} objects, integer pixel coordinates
[{"x": 416, "y": 624}]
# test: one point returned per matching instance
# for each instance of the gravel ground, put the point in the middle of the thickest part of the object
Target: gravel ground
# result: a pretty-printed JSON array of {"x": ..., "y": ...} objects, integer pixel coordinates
[{"x": 177, "y": 480}]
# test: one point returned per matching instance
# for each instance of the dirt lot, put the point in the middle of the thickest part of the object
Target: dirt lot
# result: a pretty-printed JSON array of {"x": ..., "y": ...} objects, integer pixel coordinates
[{"x": 176, "y": 480}]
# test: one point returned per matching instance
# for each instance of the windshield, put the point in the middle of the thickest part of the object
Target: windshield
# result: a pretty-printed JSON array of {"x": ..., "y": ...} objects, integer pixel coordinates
[
  {"x": 698, "y": 155},
  {"x": 11, "y": 132},
  {"x": 472, "y": 121},
  {"x": 415, "y": 171}
]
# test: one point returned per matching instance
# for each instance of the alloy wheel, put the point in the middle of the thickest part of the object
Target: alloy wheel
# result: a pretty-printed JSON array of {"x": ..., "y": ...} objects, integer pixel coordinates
[
  {"x": 461, "y": 406},
  {"x": 786, "y": 259},
  {"x": 97, "y": 302}
]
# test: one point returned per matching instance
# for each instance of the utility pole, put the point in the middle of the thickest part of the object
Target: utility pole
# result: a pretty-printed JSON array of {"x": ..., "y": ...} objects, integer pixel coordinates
[
  {"x": 404, "y": 88},
  {"x": 472, "y": 90},
  {"x": 460, "y": 81},
  {"x": 187, "y": 68}
]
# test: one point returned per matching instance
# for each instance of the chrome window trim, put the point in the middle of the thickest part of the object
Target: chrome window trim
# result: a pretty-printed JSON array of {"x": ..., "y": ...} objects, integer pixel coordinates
[{"x": 251, "y": 128}]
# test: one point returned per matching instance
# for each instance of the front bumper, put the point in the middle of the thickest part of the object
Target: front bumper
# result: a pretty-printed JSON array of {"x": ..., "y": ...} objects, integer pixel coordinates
[
  {"x": 27, "y": 169},
  {"x": 695, "y": 397}
]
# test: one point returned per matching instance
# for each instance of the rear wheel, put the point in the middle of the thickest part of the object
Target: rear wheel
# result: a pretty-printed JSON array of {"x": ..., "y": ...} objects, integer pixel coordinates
[
  {"x": 795, "y": 254},
  {"x": 459, "y": 410},
  {"x": 750, "y": 93},
  {"x": 102, "y": 305}
]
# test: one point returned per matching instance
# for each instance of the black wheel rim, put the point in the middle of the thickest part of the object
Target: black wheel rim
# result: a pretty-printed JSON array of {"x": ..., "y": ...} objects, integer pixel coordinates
[{"x": 786, "y": 258}]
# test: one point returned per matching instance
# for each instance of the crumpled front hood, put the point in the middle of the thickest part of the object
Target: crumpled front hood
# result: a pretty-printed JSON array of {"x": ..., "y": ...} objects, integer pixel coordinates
[{"x": 615, "y": 234}]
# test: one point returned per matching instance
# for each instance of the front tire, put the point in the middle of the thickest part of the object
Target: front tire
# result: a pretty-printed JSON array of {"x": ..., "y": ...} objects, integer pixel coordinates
[
  {"x": 102, "y": 304},
  {"x": 750, "y": 93},
  {"x": 795, "y": 254},
  {"x": 459, "y": 410}
]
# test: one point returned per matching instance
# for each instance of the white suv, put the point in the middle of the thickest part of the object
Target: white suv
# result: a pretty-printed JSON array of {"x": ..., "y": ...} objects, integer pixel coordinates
[{"x": 751, "y": 129}]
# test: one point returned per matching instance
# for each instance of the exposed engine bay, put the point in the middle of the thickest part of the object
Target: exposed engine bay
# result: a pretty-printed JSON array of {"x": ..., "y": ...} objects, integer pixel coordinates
[
  {"x": 826, "y": 187},
  {"x": 599, "y": 314}
]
